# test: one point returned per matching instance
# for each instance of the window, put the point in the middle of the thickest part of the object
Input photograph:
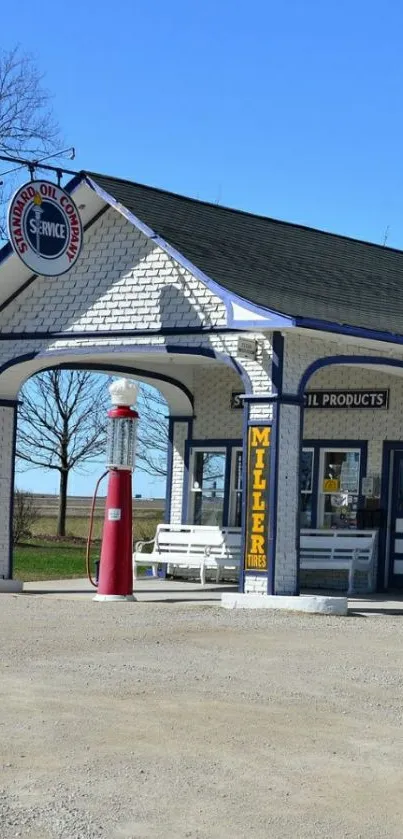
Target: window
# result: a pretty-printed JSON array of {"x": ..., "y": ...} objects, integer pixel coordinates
[
  {"x": 339, "y": 487},
  {"x": 330, "y": 483},
  {"x": 208, "y": 486},
  {"x": 215, "y": 486}
]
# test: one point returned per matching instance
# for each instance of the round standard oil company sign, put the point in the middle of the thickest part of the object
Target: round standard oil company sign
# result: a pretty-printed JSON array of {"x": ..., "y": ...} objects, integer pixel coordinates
[{"x": 45, "y": 228}]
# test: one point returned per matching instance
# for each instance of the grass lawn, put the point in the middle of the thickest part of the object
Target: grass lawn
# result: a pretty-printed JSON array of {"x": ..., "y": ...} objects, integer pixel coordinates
[{"x": 43, "y": 560}]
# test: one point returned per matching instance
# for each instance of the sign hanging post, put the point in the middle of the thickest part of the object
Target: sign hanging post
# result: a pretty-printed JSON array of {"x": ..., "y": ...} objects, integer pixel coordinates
[{"x": 45, "y": 228}]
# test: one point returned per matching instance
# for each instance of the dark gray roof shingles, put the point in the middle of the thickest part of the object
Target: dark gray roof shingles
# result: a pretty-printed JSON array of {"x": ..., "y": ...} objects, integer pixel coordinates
[{"x": 285, "y": 267}]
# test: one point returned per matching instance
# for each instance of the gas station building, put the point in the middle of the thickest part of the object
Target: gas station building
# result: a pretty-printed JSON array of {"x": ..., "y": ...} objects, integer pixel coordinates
[{"x": 278, "y": 348}]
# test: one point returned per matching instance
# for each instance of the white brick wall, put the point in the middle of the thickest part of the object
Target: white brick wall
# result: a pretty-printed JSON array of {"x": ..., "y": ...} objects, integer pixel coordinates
[
  {"x": 255, "y": 584},
  {"x": 6, "y": 466},
  {"x": 372, "y": 425},
  {"x": 214, "y": 417},
  {"x": 121, "y": 278},
  {"x": 287, "y": 502},
  {"x": 300, "y": 352},
  {"x": 178, "y": 457}
]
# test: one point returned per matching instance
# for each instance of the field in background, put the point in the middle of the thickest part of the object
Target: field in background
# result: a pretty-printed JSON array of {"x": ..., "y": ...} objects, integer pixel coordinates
[{"x": 43, "y": 557}]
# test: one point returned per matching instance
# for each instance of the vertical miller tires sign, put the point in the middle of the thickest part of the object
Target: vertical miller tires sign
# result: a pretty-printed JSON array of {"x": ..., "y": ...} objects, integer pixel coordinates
[
  {"x": 45, "y": 228},
  {"x": 257, "y": 500}
]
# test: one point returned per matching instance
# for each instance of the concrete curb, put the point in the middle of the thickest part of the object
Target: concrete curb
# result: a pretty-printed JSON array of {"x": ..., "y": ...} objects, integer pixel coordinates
[
  {"x": 314, "y": 604},
  {"x": 11, "y": 586}
]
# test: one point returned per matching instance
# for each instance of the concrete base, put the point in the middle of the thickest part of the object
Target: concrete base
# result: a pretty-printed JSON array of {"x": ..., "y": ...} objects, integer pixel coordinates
[
  {"x": 102, "y": 598},
  {"x": 315, "y": 604},
  {"x": 11, "y": 586}
]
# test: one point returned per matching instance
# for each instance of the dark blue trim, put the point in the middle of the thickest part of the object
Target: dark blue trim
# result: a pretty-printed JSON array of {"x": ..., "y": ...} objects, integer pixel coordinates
[
  {"x": 9, "y": 403},
  {"x": 102, "y": 367},
  {"x": 298, "y": 521},
  {"x": 228, "y": 445},
  {"x": 361, "y": 360},
  {"x": 171, "y": 434},
  {"x": 168, "y": 491},
  {"x": 346, "y": 329},
  {"x": 185, "y": 485},
  {"x": 271, "y": 319},
  {"x": 394, "y": 580},
  {"x": 245, "y": 423},
  {"x": 121, "y": 368},
  {"x": 124, "y": 348},
  {"x": 277, "y": 363},
  {"x": 277, "y": 384},
  {"x": 388, "y": 447},
  {"x": 273, "y": 498},
  {"x": 318, "y": 444},
  {"x": 120, "y": 333},
  {"x": 12, "y": 489}
]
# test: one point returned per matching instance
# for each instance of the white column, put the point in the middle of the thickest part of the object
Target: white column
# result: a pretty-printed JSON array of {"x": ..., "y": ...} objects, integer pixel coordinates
[
  {"x": 8, "y": 411},
  {"x": 287, "y": 507},
  {"x": 179, "y": 433}
]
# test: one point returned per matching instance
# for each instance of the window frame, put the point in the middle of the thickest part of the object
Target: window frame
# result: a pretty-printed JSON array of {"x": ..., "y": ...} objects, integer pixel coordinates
[
  {"x": 326, "y": 444},
  {"x": 211, "y": 445}
]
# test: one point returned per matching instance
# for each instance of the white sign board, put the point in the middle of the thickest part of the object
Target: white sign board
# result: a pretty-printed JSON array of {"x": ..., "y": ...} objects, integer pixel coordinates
[{"x": 247, "y": 348}]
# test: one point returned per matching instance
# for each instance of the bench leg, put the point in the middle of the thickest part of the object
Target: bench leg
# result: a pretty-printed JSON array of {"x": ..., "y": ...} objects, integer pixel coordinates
[
  {"x": 203, "y": 574},
  {"x": 218, "y": 574},
  {"x": 154, "y": 570},
  {"x": 350, "y": 590}
]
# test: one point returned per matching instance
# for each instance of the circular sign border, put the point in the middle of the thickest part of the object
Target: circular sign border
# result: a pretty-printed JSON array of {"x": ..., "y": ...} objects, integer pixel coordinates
[{"x": 38, "y": 271}]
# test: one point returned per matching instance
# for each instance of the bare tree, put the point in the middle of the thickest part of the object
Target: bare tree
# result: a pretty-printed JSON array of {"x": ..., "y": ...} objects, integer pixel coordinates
[
  {"x": 27, "y": 125},
  {"x": 152, "y": 436},
  {"x": 62, "y": 425}
]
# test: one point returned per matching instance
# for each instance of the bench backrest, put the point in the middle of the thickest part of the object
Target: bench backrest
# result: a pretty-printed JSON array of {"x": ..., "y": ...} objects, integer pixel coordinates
[
  {"x": 338, "y": 544},
  {"x": 186, "y": 539}
]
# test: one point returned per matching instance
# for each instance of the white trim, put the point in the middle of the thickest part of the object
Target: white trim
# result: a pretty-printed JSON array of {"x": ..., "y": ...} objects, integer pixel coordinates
[{"x": 304, "y": 603}]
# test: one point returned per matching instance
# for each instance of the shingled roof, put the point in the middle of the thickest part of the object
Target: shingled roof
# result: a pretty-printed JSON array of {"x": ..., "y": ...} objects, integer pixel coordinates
[{"x": 294, "y": 270}]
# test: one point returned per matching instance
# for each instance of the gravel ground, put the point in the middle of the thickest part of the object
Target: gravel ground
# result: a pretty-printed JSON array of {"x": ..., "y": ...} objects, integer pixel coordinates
[{"x": 160, "y": 720}]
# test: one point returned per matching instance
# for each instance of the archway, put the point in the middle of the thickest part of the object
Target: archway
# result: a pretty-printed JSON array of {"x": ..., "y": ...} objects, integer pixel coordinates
[
  {"x": 359, "y": 427},
  {"x": 197, "y": 384}
]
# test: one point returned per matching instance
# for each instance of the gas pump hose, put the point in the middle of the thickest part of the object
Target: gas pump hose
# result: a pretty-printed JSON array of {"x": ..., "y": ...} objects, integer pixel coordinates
[{"x": 88, "y": 551}]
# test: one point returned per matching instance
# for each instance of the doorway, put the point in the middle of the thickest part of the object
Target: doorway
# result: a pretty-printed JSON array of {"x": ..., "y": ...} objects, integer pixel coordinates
[
  {"x": 394, "y": 547},
  {"x": 215, "y": 483}
]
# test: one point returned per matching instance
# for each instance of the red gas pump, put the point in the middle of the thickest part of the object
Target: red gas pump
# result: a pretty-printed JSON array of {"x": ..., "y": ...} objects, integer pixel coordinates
[{"x": 115, "y": 571}]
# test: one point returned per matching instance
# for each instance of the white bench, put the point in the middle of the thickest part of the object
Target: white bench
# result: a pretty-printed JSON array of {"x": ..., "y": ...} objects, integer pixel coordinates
[
  {"x": 191, "y": 546},
  {"x": 350, "y": 550}
]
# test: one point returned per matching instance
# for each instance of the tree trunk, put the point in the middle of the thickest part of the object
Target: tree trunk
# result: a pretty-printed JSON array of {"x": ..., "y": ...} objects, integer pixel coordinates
[{"x": 61, "y": 519}]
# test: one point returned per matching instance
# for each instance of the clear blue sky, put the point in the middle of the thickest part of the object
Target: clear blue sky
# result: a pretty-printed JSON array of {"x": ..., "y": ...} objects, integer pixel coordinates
[{"x": 292, "y": 109}]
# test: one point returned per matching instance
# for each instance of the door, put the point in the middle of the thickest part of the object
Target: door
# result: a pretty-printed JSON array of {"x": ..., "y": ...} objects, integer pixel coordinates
[
  {"x": 208, "y": 487},
  {"x": 339, "y": 487},
  {"x": 396, "y": 523},
  {"x": 235, "y": 506}
]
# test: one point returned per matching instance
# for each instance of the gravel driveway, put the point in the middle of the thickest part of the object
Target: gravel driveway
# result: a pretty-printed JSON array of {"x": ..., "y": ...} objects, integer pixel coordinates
[{"x": 168, "y": 720}]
